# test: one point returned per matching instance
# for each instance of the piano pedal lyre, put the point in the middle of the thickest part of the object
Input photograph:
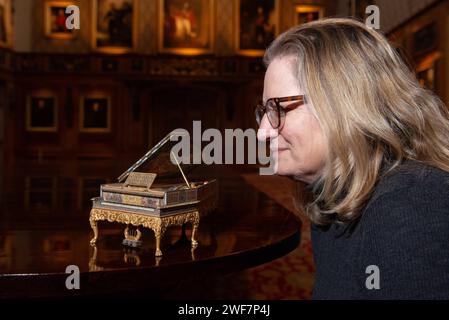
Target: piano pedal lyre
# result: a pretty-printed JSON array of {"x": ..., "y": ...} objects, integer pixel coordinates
[{"x": 132, "y": 237}]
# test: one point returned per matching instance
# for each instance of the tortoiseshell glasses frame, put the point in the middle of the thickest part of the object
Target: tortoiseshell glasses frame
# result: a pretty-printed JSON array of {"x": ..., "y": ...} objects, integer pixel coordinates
[{"x": 275, "y": 112}]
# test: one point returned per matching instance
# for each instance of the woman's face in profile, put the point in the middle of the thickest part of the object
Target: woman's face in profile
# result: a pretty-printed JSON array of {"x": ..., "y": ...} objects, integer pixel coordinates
[{"x": 301, "y": 145}]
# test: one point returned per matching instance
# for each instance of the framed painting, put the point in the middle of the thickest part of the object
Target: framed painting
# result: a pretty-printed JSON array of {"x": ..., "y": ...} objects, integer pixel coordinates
[
  {"x": 95, "y": 114},
  {"x": 114, "y": 25},
  {"x": 41, "y": 113},
  {"x": 5, "y": 23},
  {"x": 55, "y": 20},
  {"x": 257, "y": 25},
  {"x": 307, "y": 13},
  {"x": 186, "y": 27}
]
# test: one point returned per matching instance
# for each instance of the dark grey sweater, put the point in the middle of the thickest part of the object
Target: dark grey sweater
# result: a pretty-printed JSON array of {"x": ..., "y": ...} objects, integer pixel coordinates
[{"x": 403, "y": 230}]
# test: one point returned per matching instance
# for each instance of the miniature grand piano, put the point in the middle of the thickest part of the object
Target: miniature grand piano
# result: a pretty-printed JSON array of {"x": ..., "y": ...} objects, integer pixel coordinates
[{"x": 139, "y": 202}]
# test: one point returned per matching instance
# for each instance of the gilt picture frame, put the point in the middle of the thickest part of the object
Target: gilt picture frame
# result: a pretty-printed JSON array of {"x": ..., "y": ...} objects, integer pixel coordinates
[
  {"x": 114, "y": 26},
  {"x": 307, "y": 13},
  {"x": 41, "y": 112},
  {"x": 55, "y": 20},
  {"x": 257, "y": 24},
  {"x": 95, "y": 114},
  {"x": 5, "y": 23},
  {"x": 186, "y": 27}
]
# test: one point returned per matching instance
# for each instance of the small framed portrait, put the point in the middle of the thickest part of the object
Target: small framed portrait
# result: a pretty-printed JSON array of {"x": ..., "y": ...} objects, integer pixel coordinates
[
  {"x": 95, "y": 114},
  {"x": 5, "y": 23},
  {"x": 41, "y": 113},
  {"x": 114, "y": 25},
  {"x": 307, "y": 13},
  {"x": 257, "y": 25},
  {"x": 186, "y": 27},
  {"x": 55, "y": 20}
]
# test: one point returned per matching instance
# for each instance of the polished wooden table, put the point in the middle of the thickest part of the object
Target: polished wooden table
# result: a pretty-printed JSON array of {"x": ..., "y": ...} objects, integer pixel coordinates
[{"x": 247, "y": 229}]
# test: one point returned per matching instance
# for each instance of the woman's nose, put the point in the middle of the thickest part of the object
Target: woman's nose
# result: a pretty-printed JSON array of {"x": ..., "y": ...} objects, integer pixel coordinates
[{"x": 266, "y": 131}]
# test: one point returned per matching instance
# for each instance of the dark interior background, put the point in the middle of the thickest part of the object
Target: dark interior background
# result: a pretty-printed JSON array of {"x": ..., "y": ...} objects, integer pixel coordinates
[{"x": 49, "y": 177}]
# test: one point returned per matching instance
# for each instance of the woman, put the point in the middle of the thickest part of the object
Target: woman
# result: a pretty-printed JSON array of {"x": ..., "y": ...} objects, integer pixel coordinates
[{"x": 346, "y": 116}]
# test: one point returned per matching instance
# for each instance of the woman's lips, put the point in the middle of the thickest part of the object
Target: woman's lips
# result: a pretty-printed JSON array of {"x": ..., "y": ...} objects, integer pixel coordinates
[{"x": 278, "y": 150}]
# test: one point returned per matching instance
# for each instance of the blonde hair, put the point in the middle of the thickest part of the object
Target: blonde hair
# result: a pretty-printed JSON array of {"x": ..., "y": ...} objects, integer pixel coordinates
[{"x": 371, "y": 109}]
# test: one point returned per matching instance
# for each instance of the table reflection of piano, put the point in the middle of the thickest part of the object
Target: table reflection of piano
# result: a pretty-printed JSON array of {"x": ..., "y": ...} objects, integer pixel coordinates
[{"x": 132, "y": 257}]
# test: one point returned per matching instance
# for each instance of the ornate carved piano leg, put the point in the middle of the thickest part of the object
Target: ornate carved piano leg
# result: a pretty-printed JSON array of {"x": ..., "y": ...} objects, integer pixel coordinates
[
  {"x": 195, "y": 224},
  {"x": 93, "y": 225},
  {"x": 159, "y": 232},
  {"x": 158, "y": 244}
]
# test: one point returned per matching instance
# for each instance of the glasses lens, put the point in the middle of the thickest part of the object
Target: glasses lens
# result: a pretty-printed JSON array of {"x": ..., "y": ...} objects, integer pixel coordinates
[{"x": 272, "y": 113}]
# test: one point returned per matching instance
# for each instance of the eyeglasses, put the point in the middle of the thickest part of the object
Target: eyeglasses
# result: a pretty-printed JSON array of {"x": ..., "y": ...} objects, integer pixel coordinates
[{"x": 275, "y": 112}]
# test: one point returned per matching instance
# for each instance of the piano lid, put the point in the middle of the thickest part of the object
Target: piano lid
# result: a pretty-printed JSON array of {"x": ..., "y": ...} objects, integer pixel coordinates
[{"x": 157, "y": 160}]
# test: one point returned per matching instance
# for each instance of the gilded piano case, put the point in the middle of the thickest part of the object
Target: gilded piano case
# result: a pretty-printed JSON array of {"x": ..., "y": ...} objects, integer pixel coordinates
[{"x": 138, "y": 192}]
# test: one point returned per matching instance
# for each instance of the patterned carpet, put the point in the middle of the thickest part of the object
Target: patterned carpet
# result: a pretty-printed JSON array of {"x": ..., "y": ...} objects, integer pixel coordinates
[{"x": 288, "y": 278}]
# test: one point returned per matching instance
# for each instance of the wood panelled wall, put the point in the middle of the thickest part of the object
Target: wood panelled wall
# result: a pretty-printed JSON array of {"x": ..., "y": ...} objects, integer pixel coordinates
[
  {"x": 149, "y": 97},
  {"x": 149, "y": 94},
  {"x": 422, "y": 39}
]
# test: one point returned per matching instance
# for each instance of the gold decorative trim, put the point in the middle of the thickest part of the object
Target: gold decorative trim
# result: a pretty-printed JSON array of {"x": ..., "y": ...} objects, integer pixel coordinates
[
  {"x": 132, "y": 200},
  {"x": 237, "y": 20},
  {"x": 208, "y": 25},
  {"x": 60, "y": 35},
  {"x": 157, "y": 224},
  {"x": 114, "y": 49},
  {"x": 130, "y": 236}
]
